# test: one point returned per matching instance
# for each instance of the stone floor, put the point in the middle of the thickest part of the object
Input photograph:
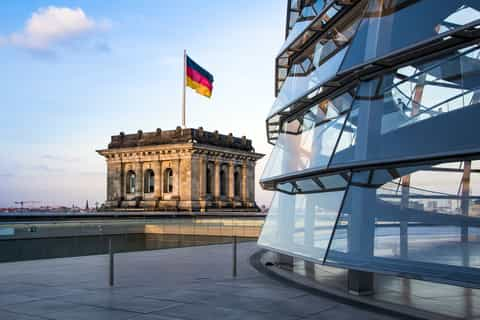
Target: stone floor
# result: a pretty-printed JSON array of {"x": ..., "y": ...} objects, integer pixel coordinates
[
  {"x": 442, "y": 300},
  {"x": 186, "y": 283}
]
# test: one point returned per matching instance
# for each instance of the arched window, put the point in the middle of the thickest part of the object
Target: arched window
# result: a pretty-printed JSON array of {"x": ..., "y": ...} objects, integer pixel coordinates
[
  {"x": 236, "y": 183},
  {"x": 131, "y": 180},
  {"x": 223, "y": 182},
  {"x": 168, "y": 181},
  {"x": 149, "y": 181}
]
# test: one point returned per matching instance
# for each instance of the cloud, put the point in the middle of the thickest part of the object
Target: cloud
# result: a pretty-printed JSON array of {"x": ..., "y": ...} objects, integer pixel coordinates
[
  {"x": 52, "y": 157},
  {"x": 92, "y": 173},
  {"x": 41, "y": 168},
  {"x": 51, "y": 26}
]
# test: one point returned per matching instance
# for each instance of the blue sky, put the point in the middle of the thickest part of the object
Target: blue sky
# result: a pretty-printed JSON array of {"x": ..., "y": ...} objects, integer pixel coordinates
[{"x": 118, "y": 67}]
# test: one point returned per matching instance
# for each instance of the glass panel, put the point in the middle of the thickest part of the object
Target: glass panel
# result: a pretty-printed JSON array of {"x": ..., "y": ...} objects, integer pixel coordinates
[
  {"x": 301, "y": 224},
  {"x": 297, "y": 29},
  {"x": 287, "y": 187},
  {"x": 319, "y": 62},
  {"x": 404, "y": 23},
  {"x": 308, "y": 13},
  {"x": 411, "y": 117},
  {"x": 307, "y": 185},
  {"x": 361, "y": 177},
  {"x": 333, "y": 182},
  {"x": 381, "y": 176},
  {"x": 307, "y": 141},
  {"x": 424, "y": 224},
  {"x": 319, "y": 5},
  {"x": 301, "y": 81}
]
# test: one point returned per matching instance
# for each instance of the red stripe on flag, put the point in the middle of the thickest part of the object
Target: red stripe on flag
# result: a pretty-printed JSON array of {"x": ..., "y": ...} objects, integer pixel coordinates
[{"x": 199, "y": 78}]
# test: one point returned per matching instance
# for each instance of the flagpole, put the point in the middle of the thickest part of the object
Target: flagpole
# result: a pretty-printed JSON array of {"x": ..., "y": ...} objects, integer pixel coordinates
[{"x": 184, "y": 87}]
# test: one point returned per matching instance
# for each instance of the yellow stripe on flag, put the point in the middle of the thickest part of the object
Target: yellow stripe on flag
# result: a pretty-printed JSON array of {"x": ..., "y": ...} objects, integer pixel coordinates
[{"x": 198, "y": 87}]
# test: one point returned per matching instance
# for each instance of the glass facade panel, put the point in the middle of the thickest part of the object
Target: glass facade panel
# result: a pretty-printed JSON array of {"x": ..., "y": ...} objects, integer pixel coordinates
[
  {"x": 303, "y": 78},
  {"x": 297, "y": 29},
  {"x": 308, "y": 140},
  {"x": 423, "y": 100},
  {"x": 307, "y": 185},
  {"x": 425, "y": 224},
  {"x": 319, "y": 62},
  {"x": 392, "y": 25},
  {"x": 315, "y": 15},
  {"x": 415, "y": 67},
  {"x": 301, "y": 224},
  {"x": 333, "y": 181}
]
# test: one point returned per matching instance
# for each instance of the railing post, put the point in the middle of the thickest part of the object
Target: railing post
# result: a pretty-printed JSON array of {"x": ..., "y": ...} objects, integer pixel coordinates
[
  {"x": 234, "y": 244},
  {"x": 111, "y": 262}
]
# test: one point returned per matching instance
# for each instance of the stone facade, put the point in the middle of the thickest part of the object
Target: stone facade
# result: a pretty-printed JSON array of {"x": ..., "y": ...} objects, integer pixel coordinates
[{"x": 182, "y": 169}]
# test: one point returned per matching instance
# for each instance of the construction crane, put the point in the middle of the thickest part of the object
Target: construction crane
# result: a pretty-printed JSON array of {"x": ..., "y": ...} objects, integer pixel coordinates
[{"x": 21, "y": 203}]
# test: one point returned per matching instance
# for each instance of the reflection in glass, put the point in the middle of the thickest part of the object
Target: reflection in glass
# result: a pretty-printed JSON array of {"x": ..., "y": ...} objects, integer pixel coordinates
[
  {"x": 307, "y": 140},
  {"x": 424, "y": 223},
  {"x": 131, "y": 182},
  {"x": 411, "y": 102},
  {"x": 323, "y": 183},
  {"x": 319, "y": 62},
  {"x": 301, "y": 224},
  {"x": 315, "y": 15},
  {"x": 149, "y": 181},
  {"x": 404, "y": 23},
  {"x": 304, "y": 77}
]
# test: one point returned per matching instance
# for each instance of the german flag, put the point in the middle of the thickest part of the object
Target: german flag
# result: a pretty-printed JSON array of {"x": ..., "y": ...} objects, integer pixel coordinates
[{"x": 198, "y": 78}]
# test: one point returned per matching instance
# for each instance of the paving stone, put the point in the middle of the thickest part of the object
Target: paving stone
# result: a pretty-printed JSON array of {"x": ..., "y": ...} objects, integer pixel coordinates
[
  {"x": 207, "y": 312},
  {"x": 7, "y": 315},
  {"x": 183, "y": 283},
  {"x": 345, "y": 312},
  {"x": 40, "y": 307},
  {"x": 13, "y": 298},
  {"x": 119, "y": 301},
  {"x": 91, "y": 313}
]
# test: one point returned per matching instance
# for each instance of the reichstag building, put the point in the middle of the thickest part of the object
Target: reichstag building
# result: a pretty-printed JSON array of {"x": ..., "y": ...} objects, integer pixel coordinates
[{"x": 181, "y": 169}]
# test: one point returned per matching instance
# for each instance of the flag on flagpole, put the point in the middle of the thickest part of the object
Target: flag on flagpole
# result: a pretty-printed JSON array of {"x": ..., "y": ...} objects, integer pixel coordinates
[{"x": 198, "y": 78}]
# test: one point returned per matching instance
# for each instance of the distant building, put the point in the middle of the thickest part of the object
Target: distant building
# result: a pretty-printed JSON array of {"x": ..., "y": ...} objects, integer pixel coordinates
[{"x": 182, "y": 169}]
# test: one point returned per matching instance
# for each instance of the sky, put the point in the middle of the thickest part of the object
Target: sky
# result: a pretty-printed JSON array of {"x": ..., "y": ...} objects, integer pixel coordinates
[{"x": 73, "y": 73}]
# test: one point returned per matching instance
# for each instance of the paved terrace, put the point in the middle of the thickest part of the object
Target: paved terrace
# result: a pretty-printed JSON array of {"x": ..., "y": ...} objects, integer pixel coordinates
[{"x": 186, "y": 283}]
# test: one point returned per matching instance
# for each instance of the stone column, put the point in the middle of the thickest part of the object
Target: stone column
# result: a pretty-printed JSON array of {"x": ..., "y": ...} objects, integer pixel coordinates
[
  {"x": 216, "y": 191},
  {"x": 185, "y": 181},
  {"x": 157, "y": 170},
  {"x": 176, "y": 176},
  {"x": 139, "y": 180},
  {"x": 231, "y": 181},
  {"x": 122, "y": 181},
  {"x": 202, "y": 177},
  {"x": 244, "y": 192},
  {"x": 251, "y": 182},
  {"x": 162, "y": 172},
  {"x": 110, "y": 172}
]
